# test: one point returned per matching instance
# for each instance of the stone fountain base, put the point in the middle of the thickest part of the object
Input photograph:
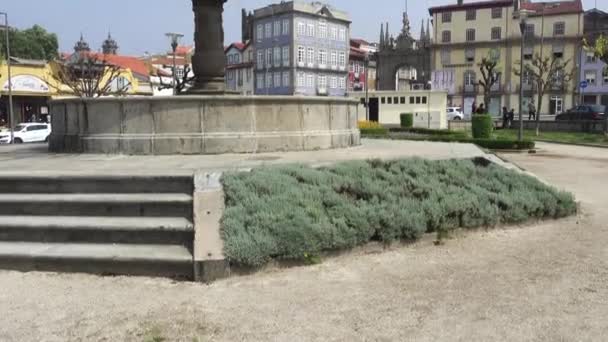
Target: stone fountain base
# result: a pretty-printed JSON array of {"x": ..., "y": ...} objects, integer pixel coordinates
[{"x": 202, "y": 124}]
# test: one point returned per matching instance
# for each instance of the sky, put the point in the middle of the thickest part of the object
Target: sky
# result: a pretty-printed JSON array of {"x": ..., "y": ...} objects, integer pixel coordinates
[{"x": 139, "y": 26}]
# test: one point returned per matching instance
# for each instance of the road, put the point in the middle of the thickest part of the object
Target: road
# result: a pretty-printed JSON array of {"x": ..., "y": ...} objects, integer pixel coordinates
[{"x": 540, "y": 282}]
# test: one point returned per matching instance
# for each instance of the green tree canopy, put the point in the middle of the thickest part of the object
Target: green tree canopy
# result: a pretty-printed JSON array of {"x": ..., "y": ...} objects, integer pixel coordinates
[{"x": 32, "y": 43}]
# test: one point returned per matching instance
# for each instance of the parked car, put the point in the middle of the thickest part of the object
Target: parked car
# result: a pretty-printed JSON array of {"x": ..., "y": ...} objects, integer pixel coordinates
[
  {"x": 583, "y": 112},
  {"x": 27, "y": 132},
  {"x": 455, "y": 113}
]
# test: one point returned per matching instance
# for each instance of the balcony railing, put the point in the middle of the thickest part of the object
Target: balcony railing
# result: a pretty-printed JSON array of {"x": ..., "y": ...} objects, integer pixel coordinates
[{"x": 469, "y": 89}]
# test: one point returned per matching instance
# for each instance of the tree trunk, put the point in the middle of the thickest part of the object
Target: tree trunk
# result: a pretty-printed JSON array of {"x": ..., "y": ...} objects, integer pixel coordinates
[{"x": 540, "y": 105}]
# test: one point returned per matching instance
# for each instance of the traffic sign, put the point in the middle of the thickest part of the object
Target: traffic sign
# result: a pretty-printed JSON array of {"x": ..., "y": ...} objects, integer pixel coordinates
[{"x": 584, "y": 84}]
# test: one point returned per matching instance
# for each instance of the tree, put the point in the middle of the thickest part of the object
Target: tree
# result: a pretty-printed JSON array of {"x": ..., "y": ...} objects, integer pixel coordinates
[
  {"x": 32, "y": 43},
  {"x": 599, "y": 47},
  {"x": 547, "y": 73},
  {"x": 182, "y": 84},
  {"x": 489, "y": 77},
  {"x": 90, "y": 75}
]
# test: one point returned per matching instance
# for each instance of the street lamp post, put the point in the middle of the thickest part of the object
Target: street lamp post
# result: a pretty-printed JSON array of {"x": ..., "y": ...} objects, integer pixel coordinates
[
  {"x": 10, "y": 83},
  {"x": 367, "y": 86},
  {"x": 174, "y": 37},
  {"x": 523, "y": 15}
]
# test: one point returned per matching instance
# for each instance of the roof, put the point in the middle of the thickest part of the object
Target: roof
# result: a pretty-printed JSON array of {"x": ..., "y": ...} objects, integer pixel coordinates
[
  {"x": 137, "y": 65},
  {"x": 30, "y": 62},
  {"x": 312, "y": 7},
  {"x": 358, "y": 42},
  {"x": 356, "y": 53},
  {"x": 471, "y": 5},
  {"x": 237, "y": 45},
  {"x": 184, "y": 50},
  {"x": 554, "y": 8},
  {"x": 168, "y": 60}
]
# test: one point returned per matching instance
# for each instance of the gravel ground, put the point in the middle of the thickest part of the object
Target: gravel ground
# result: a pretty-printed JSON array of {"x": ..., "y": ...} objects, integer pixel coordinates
[{"x": 544, "y": 282}]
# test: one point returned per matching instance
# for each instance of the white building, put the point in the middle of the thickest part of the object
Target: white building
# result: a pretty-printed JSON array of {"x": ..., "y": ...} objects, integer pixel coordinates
[{"x": 239, "y": 68}]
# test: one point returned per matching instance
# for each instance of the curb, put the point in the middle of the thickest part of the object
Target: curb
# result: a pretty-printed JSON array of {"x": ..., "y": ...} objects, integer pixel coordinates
[{"x": 571, "y": 144}]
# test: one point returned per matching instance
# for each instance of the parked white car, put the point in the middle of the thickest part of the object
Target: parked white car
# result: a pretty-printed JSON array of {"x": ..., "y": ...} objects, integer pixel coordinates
[
  {"x": 26, "y": 133},
  {"x": 455, "y": 113}
]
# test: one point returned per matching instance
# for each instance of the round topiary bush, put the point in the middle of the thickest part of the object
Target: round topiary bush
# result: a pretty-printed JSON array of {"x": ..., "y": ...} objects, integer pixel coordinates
[
  {"x": 482, "y": 126},
  {"x": 407, "y": 120}
]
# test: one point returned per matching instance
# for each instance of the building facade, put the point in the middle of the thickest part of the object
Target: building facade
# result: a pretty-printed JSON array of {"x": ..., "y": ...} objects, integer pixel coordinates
[
  {"x": 594, "y": 71},
  {"x": 467, "y": 32},
  {"x": 360, "y": 72},
  {"x": 300, "y": 49},
  {"x": 239, "y": 68}
]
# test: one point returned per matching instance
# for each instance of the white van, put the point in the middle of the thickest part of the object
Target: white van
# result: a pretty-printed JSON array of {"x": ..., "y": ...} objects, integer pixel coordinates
[{"x": 27, "y": 132}]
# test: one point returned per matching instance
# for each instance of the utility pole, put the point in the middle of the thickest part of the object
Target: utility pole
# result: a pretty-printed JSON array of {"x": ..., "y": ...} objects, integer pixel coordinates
[{"x": 10, "y": 81}]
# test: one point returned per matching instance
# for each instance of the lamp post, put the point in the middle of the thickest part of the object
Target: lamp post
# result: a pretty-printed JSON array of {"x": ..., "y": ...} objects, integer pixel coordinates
[
  {"x": 10, "y": 83},
  {"x": 523, "y": 15},
  {"x": 367, "y": 86},
  {"x": 174, "y": 37}
]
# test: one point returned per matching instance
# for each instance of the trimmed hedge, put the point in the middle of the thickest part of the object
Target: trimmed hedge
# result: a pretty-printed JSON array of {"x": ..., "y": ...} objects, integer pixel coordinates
[
  {"x": 407, "y": 120},
  {"x": 294, "y": 212},
  {"x": 377, "y": 131},
  {"x": 482, "y": 126},
  {"x": 429, "y": 131}
]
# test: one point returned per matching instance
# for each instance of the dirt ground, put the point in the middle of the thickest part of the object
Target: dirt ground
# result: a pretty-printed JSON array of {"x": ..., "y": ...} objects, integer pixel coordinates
[{"x": 544, "y": 282}]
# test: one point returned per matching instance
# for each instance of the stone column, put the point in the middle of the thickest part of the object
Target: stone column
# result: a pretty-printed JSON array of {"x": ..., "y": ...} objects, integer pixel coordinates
[{"x": 208, "y": 62}]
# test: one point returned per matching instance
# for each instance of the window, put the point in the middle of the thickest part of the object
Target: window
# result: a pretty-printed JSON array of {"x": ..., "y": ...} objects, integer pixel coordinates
[
  {"x": 446, "y": 17},
  {"x": 333, "y": 83},
  {"x": 301, "y": 79},
  {"x": 418, "y": 100},
  {"x": 277, "y": 56},
  {"x": 527, "y": 77},
  {"x": 260, "y": 59},
  {"x": 469, "y": 55},
  {"x": 446, "y": 36},
  {"x": 469, "y": 78},
  {"x": 301, "y": 55},
  {"x": 558, "y": 50},
  {"x": 342, "y": 83},
  {"x": 322, "y": 31},
  {"x": 268, "y": 30},
  {"x": 496, "y": 13},
  {"x": 605, "y": 75},
  {"x": 277, "y": 28},
  {"x": 412, "y": 100},
  {"x": 389, "y": 100},
  {"x": 559, "y": 28},
  {"x": 333, "y": 33},
  {"x": 496, "y": 33},
  {"x": 402, "y": 100},
  {"x": 342, "y": 35},
  {"x": 310, "y": 80},
  {"x": 277, "y": 79},
  {"x": 260, "y": 32},
  {"x": 310, "y": 30},
  {"x": 286, "y": 56},
  {"x": 268, "y": 58},
  {"x": 445, "y": 56},
  {"x": 383, "y": 100},
  {"x": 311, "y": 56},
  {"x": 179, "y": 73},
  {"x": 322, "y": 58},
  {"x": 528, "y": 52},
  {"x": 285, "y": 27},
  {"x": 268, "y": 80},
  {"x": 334, "y": 59},
  {"x": 342, "y": 59},
  {"x": 356, "y": 68},
  {"x": 591, "y": 57},
  {"x": 396, "y": 100},
  {"x": 470, "y": 35},
  {"x": 494, "y": 54},
  {"x": 471, "y": 14},
  {"x": 529, "y": 32},
  {"x": 301, "y": 29},
  {"x": 259, "y": 80},
  {"x": 590, "y": 77},
  {"x": 424, "y": 100},
  {"x": 248, "y": 75},
  {"x": 286, "y": 79}
]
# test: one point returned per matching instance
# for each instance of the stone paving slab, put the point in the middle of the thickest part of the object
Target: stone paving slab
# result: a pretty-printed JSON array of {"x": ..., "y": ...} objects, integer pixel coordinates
[{"x": 34, "y": 159}]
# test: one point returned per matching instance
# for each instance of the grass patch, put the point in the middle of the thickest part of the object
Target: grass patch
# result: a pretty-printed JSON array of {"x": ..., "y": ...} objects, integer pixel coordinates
[
  {"x": 561, "y": 137},
  {"x": 297, "y": 212}
]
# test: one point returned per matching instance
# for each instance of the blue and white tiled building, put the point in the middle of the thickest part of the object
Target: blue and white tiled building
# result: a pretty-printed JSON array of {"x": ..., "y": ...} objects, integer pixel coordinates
[{"x": 301, "y": 49}]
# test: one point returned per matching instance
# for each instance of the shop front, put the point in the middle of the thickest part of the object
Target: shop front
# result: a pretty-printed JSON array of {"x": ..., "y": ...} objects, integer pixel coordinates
[{"x": 30, "y": 99}]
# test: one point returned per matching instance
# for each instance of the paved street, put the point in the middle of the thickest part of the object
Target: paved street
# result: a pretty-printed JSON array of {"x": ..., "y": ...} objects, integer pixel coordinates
[{"x": 542, "y": 282}]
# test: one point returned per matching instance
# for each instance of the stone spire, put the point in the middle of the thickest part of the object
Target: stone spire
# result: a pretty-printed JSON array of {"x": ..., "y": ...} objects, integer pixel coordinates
[
  {"x": 109, "y": 47},
  {"x": 381, "y": 34},
  {"x": 422, "y": 32},
  {"x": 387, "y": 35},
  {"x": 81, "y": 45}
]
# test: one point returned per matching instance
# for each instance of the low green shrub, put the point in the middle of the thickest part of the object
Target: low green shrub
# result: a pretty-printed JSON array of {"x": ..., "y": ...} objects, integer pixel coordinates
[
  {"x": 297, "y": 212},
  {"x": 482, "y": 126},
  {"x": 407, "y": 120},
  {"x": 376, "y": 131},
  {"x": 427, "y": 131},
  {"x": 504, "y": 144}
]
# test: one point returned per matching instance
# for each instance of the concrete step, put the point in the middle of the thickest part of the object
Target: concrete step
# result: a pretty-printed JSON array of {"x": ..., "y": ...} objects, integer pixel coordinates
[
  {"x": 130, "y": 205},
  {"x": 95, "y": 229},
  {"x": 15, "y": 183},
  {"x": 104, "y": 259}
]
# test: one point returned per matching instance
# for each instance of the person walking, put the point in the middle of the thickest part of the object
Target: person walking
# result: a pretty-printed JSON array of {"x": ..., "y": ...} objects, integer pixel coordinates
[
  {"x": 481, "y": 109},
  {"x": 474, "y": 108},
  {"x": 505, "y": 118},
  {"x": 511, "y": 117},
  {"x": 531, "y": 111}
]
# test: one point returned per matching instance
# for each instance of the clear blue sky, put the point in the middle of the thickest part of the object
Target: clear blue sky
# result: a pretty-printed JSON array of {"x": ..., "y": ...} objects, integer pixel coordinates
[{"x": 139, "y": 25}]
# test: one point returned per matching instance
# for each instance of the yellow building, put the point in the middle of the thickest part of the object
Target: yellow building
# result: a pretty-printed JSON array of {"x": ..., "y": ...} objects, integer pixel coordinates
[
  {"x": 467, "y": 32},
  {"x": 34, "y": 85}
]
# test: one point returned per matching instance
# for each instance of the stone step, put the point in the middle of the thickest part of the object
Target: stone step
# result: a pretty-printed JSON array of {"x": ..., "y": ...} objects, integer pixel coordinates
[
  {"x": 103, "y": 259},
  {"x": 129, "y": 205},
  {"x": 15, "y": 183},
  {"x": 95, "y": 229}
]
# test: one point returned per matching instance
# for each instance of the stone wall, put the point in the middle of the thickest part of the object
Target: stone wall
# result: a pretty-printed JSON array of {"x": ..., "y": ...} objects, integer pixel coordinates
[{"x": 202, "y": 124}]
